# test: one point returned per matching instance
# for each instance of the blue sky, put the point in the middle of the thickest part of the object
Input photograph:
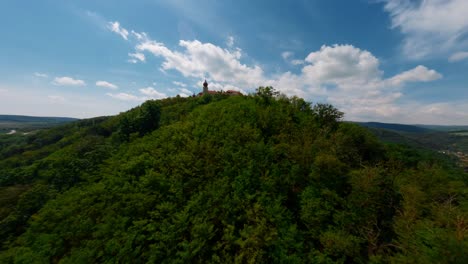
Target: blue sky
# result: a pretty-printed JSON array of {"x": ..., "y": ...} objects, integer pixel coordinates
[{"x": 400, "y": 61}]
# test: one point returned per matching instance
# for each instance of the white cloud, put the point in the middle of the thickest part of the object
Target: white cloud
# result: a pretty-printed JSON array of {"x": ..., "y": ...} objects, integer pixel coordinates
[
  {"x": 57, "y": 99},
  {"x": 442, "y": 113},
  {"x": 286, "y": 55},
  {"x": 430, "y": 27},
  {"x": 230, "y": 41},
  {"x": 185, "y": 91},
  {"x": 181, "y": 84},
  {"x": 125, "y": 97},
  {"x": 418, "y": 74},
  {"x": 68, "y": 81},
  {"x": 135, "y": 57},
  {"x": 151, "y": 93},
  {"x": 140, "y": 35},
  {"x": 297, "y": 62},
  {"x": 41, "y": 75},
  {"x": 106, "y": 85},
  {"x": 352, "y": 80},
  {"x": 183, "y": 95},
  {"x": 342, "y": 65},
  {"x": 147, "y": 93},
  {"x": 115, "y": 27},
  {"x": 367, "y": 106},
  {"x": 459, "y": 56},
  {"x": 202, "y": 60}
]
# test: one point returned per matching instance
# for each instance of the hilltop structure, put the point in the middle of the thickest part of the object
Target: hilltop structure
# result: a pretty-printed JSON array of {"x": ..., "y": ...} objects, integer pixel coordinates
[
  {"x": 205, "y": 87},
  {"x": 207, "y": 91}
]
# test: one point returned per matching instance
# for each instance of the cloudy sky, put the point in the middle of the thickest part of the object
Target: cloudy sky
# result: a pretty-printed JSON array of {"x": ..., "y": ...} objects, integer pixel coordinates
[{"x": 400, "y": 61}]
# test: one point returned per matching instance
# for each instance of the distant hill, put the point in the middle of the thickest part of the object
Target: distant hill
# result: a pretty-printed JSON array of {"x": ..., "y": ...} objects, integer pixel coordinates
[
  {"x": 396, "y": 127},
  {"x": 434, "y": 137},
  {"x": 35, "y": 119},
  {"x": 28, "y": 123},
  {"x": 444, "y": 128}
]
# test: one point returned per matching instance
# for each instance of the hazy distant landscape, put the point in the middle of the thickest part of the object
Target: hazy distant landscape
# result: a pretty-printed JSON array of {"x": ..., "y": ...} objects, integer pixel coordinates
[
  {"x": 449, "y": 140},
  {"x": 25, "y": 124}
]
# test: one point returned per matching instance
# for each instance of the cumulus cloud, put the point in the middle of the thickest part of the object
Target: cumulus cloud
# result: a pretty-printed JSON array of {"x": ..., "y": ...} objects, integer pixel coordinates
[
  {"x": 41, "y": 75},
  {"x": 183, "y": 95},
  {"x": 115, "y": 27},
  {"x": 125, "y": 97},
  {"x": 152, "y": 93},
  {"x": 181, "y": 84},
  {"x": 342, "y": 65},
  {"x": 354, "y": 82},
  {"x": 418, "y": 74},
  {"x": 459, "y": 56},
  {"x": 185, "y": 91},
  {"x": 430, "y": 27},
  {"x": 445, "y": 113},
  {"x": 366, "y": 106},
  {"x": 351, "y": 79},
  {"x": 68, "y": 81},
  {"x": 106, "y": 85},
  {"x": 286, "y": 55},
  {"x": 136, "y": 57},
  {"x": 230, "y": 41},
  {"x": 201, "y": 60},
  {"x": 147, "y": 93},
  {"x": 140, "y": 35},
  {"x": 297, "y": 62},
  {"x": 442, "y": 112}
]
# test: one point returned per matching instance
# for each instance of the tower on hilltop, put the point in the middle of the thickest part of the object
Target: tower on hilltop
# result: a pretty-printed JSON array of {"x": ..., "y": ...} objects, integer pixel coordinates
[{"x": 205, "y": 87}]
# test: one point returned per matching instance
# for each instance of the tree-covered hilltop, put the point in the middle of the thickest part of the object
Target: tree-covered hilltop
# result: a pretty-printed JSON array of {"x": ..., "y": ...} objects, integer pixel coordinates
[{"x": 227, "y": 179}]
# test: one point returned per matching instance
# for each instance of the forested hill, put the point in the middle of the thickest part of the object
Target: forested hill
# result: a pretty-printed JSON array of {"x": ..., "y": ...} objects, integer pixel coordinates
[{"x": 227, "y": 179}]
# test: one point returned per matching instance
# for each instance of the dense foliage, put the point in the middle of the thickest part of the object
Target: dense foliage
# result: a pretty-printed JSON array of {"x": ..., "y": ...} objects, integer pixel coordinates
[{"x": 227, "y": 179}]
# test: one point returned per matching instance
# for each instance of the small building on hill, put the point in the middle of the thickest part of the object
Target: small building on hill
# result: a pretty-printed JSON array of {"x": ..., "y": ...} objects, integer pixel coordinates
[{"x": 207, "y": 91}]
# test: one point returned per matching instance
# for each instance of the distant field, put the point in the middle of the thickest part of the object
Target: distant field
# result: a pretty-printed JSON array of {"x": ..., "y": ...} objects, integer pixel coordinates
[
  {"x": 460, "y": 133},
  {"x": 441, "y": 138}
]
